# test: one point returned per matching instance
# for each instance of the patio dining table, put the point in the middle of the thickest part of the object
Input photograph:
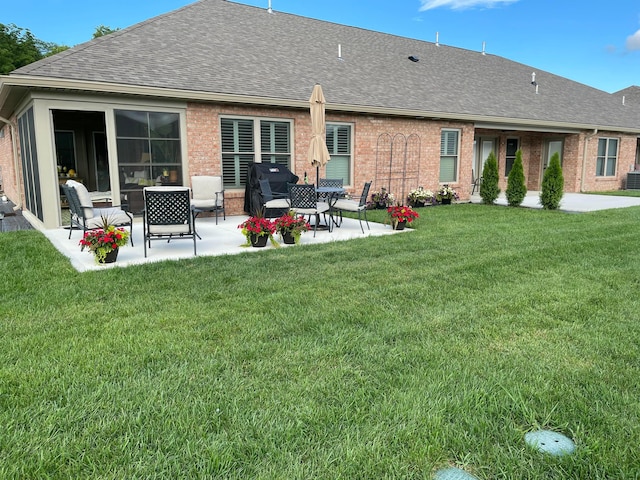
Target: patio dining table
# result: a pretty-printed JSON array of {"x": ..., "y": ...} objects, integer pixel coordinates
[{"x": 332, "y": 194}]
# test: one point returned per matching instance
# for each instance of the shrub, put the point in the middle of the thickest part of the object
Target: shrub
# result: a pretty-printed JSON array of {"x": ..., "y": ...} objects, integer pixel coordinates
[
  {"x": 489, "y": 189},
  {"x": 552, "y": 184},
  {"x": 516, "y": 187}
]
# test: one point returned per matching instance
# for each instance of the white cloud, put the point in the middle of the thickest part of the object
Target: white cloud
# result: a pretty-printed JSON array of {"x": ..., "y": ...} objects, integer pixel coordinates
[
  {"x": 461, "y": 4},
  {"x": 633, "y": 41}
]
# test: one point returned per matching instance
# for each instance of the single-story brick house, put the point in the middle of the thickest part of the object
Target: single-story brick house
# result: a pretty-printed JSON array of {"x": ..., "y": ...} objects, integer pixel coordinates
[{"x": 210, "y": 87}]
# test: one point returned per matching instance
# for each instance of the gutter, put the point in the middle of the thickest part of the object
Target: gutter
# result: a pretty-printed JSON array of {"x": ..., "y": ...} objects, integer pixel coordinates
[
  {"x": 584, "y": 157},
  {"x": 16, "y": 163},
  {"x": 88, "y": 86}
]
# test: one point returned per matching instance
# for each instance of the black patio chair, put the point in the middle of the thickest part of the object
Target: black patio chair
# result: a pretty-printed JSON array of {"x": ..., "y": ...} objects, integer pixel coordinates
[
  {"x": 168, "y": 214},
  {"x": 85, "y": 217},
  {"x": 304, "y": 201},
  {"x": 359, "y": 206}
]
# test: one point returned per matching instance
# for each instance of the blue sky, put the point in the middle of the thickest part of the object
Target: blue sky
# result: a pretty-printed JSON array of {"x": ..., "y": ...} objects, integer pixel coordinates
[{"x": 593, "y": 42}]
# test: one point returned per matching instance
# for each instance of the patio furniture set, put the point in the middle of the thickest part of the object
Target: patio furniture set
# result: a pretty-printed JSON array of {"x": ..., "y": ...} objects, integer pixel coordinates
[{"x": 170, "y": 212}]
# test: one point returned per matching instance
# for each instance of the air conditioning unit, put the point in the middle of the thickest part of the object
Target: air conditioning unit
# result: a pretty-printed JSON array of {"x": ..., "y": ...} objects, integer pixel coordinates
[{"x": 633, "y": 181}]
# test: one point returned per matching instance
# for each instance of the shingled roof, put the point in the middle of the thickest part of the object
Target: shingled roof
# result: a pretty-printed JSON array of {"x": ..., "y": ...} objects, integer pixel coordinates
[{"x": 238, "y": 52}]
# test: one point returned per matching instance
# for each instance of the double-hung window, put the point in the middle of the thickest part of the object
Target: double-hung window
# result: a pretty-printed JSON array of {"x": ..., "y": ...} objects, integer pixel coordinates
[
  {"x": 449, "y": 148},
  {"x": 607, "y": 157},
  {"x": 338, "y": 138},
  {"x": 247, "y": 140},
  {"x": 512, "y": 149}
]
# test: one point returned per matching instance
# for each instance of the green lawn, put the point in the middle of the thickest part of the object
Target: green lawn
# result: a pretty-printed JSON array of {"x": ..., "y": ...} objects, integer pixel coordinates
[{"x": 379, "y": 358}]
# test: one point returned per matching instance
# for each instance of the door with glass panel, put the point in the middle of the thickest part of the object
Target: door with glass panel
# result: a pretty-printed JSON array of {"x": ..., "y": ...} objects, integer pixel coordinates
[
  {"x": 483, "y": 147},
  {"x": 551, "y": 147}
]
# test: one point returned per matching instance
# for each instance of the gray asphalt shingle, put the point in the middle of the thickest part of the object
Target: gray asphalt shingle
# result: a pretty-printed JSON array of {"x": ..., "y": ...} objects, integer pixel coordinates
[{"x": 223, "y": 47}]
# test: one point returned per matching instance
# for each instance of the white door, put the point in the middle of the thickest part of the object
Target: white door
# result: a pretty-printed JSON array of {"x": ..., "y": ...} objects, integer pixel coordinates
[
  {"x": 553, "y": 146},
  {"x": 487, "y": 145}
]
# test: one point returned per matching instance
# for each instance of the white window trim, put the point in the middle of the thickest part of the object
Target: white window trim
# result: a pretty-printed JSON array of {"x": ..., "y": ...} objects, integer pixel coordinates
[
  {"x": 606, "y": 157},
  {"x": 351, "y": 149},
  {"x": 456, "y": 180},
  {"x": 257, "y": 147}
]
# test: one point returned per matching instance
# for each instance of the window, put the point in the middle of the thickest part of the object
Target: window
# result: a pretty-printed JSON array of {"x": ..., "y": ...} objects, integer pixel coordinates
[
  {"x": 148, "y": 146},
  {"x": 339, "y": 145},
  {"x": 449, "y": 145},
  {"x": 247, "y": 140},
  {"x": 607, "y": 157},
  {"x": 512, "y": 148}
]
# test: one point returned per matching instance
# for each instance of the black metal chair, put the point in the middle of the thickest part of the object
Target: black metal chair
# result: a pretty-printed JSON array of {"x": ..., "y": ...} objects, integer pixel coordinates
[
  {"x": 357, "y": 206},
  {"x": 331, "y": 183},
  {"x": 304, "y": 201},
  {"x": 83, "y": 216},
  {"x": 168, "y": 214},
  {"x": 273, "y": 203},
  {"x": 208, "y": 195}
]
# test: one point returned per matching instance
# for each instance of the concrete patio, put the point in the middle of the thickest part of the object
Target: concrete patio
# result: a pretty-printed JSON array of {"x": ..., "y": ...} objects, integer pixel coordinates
[
  {"x": 573, "y": 202},
  {"x": 222, "y": 239}
]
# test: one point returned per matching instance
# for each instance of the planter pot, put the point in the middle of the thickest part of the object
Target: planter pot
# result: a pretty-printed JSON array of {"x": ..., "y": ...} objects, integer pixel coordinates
[
  {"x": 399, "y": 225},
  {"x": 111, "y": 256},
  {"x": 288, "y": 238},
  {"x": 446, "y": 201},
  {"x": 259, "y": 240}
]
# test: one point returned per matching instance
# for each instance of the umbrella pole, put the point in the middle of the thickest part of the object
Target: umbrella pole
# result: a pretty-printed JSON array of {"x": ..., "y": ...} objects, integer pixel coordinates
[{"x": 318, "y": 176}]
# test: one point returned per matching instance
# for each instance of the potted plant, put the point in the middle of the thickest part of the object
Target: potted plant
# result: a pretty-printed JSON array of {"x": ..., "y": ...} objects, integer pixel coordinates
[
  {"x": 401, "y": 215},
  {"x": 290, "y": 227},
  {"x": 420, "y": 197},
  {"x": 445, "y": 194},
  {"x": 382, "y": 199},
  {"x": 257, "y": 230},
  {"x": 105, "y": 242}
]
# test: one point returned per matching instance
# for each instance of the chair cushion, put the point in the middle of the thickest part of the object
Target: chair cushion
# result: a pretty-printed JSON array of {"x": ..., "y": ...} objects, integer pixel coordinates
[
  {"x": 277, "y": 203},
  {"x": 204, "y": 189},
  {"x": 321, "y": 208},
  {"x": 114, "y": 216},
  {"x": 83, "y": 197},
  {"x": 348, "y": 205},
  {"x": 168, "y": 229}
]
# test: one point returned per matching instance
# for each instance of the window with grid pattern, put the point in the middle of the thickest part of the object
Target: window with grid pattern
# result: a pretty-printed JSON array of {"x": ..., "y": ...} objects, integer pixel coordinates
[
  {"x": 449, "y": 145},
  {"x": 607, "y": 157},
  {"x": 338, "y": 137},
  {"x": 247, "y": 140}
]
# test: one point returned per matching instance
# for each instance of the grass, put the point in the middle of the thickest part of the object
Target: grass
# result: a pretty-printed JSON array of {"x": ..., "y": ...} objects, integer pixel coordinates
[
  {"x": 386, "y": 357},
  {"x": 618, "y": 193}
]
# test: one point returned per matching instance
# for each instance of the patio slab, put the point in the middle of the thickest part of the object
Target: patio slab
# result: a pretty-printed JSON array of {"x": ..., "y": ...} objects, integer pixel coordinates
[
  {"x": 222, "y": 239},
  {"x": 573, "y": 202}
]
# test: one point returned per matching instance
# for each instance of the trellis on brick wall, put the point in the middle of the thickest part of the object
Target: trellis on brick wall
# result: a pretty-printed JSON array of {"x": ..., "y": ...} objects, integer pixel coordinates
[{"x": 397, "y": 164}]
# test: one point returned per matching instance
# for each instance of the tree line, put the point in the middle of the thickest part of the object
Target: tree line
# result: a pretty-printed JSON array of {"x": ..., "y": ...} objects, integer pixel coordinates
[{"x": 19, "y": 47}]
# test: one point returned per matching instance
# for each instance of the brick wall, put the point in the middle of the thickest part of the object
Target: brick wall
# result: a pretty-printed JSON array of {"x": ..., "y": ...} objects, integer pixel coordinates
[{"x": 413, "y": 145}]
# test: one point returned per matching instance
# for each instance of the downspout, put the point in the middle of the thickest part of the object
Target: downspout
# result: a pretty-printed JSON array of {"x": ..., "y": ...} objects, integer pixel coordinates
[
  {"x": 584, "y": 157},
  {"x": 16, "y": 163}
]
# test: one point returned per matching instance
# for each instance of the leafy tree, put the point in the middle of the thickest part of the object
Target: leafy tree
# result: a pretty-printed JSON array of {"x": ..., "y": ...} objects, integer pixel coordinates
[
  {"x": 489, "y": 189},
  {"x": 102, "y": 30},
  {"x": 516, "y": 187},
  {"x": 18, "y": 47},
  {"x": 552, "y": 184}
]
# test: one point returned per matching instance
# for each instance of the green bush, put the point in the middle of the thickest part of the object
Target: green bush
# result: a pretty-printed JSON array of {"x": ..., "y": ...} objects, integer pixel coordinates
[
  {"x": 552, "y": 184},
  {"x": 489, "y": 189},
  {"x": 516, "y": 187}
]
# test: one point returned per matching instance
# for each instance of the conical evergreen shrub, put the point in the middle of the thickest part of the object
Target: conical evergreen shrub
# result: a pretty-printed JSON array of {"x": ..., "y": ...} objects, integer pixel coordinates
[
  {"x": 516, "y": 187},
  {"x": 489, "y": 189},
  {"x": 552, "y": 184}
]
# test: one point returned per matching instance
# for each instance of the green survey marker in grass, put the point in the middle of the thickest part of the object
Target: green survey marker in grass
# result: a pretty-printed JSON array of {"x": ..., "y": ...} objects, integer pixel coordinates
[{"x": 382, "y": 357}]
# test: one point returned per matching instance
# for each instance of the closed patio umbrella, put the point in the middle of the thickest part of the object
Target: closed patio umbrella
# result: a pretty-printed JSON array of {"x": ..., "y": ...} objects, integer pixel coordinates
[{"x": 318, "y": 152}]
